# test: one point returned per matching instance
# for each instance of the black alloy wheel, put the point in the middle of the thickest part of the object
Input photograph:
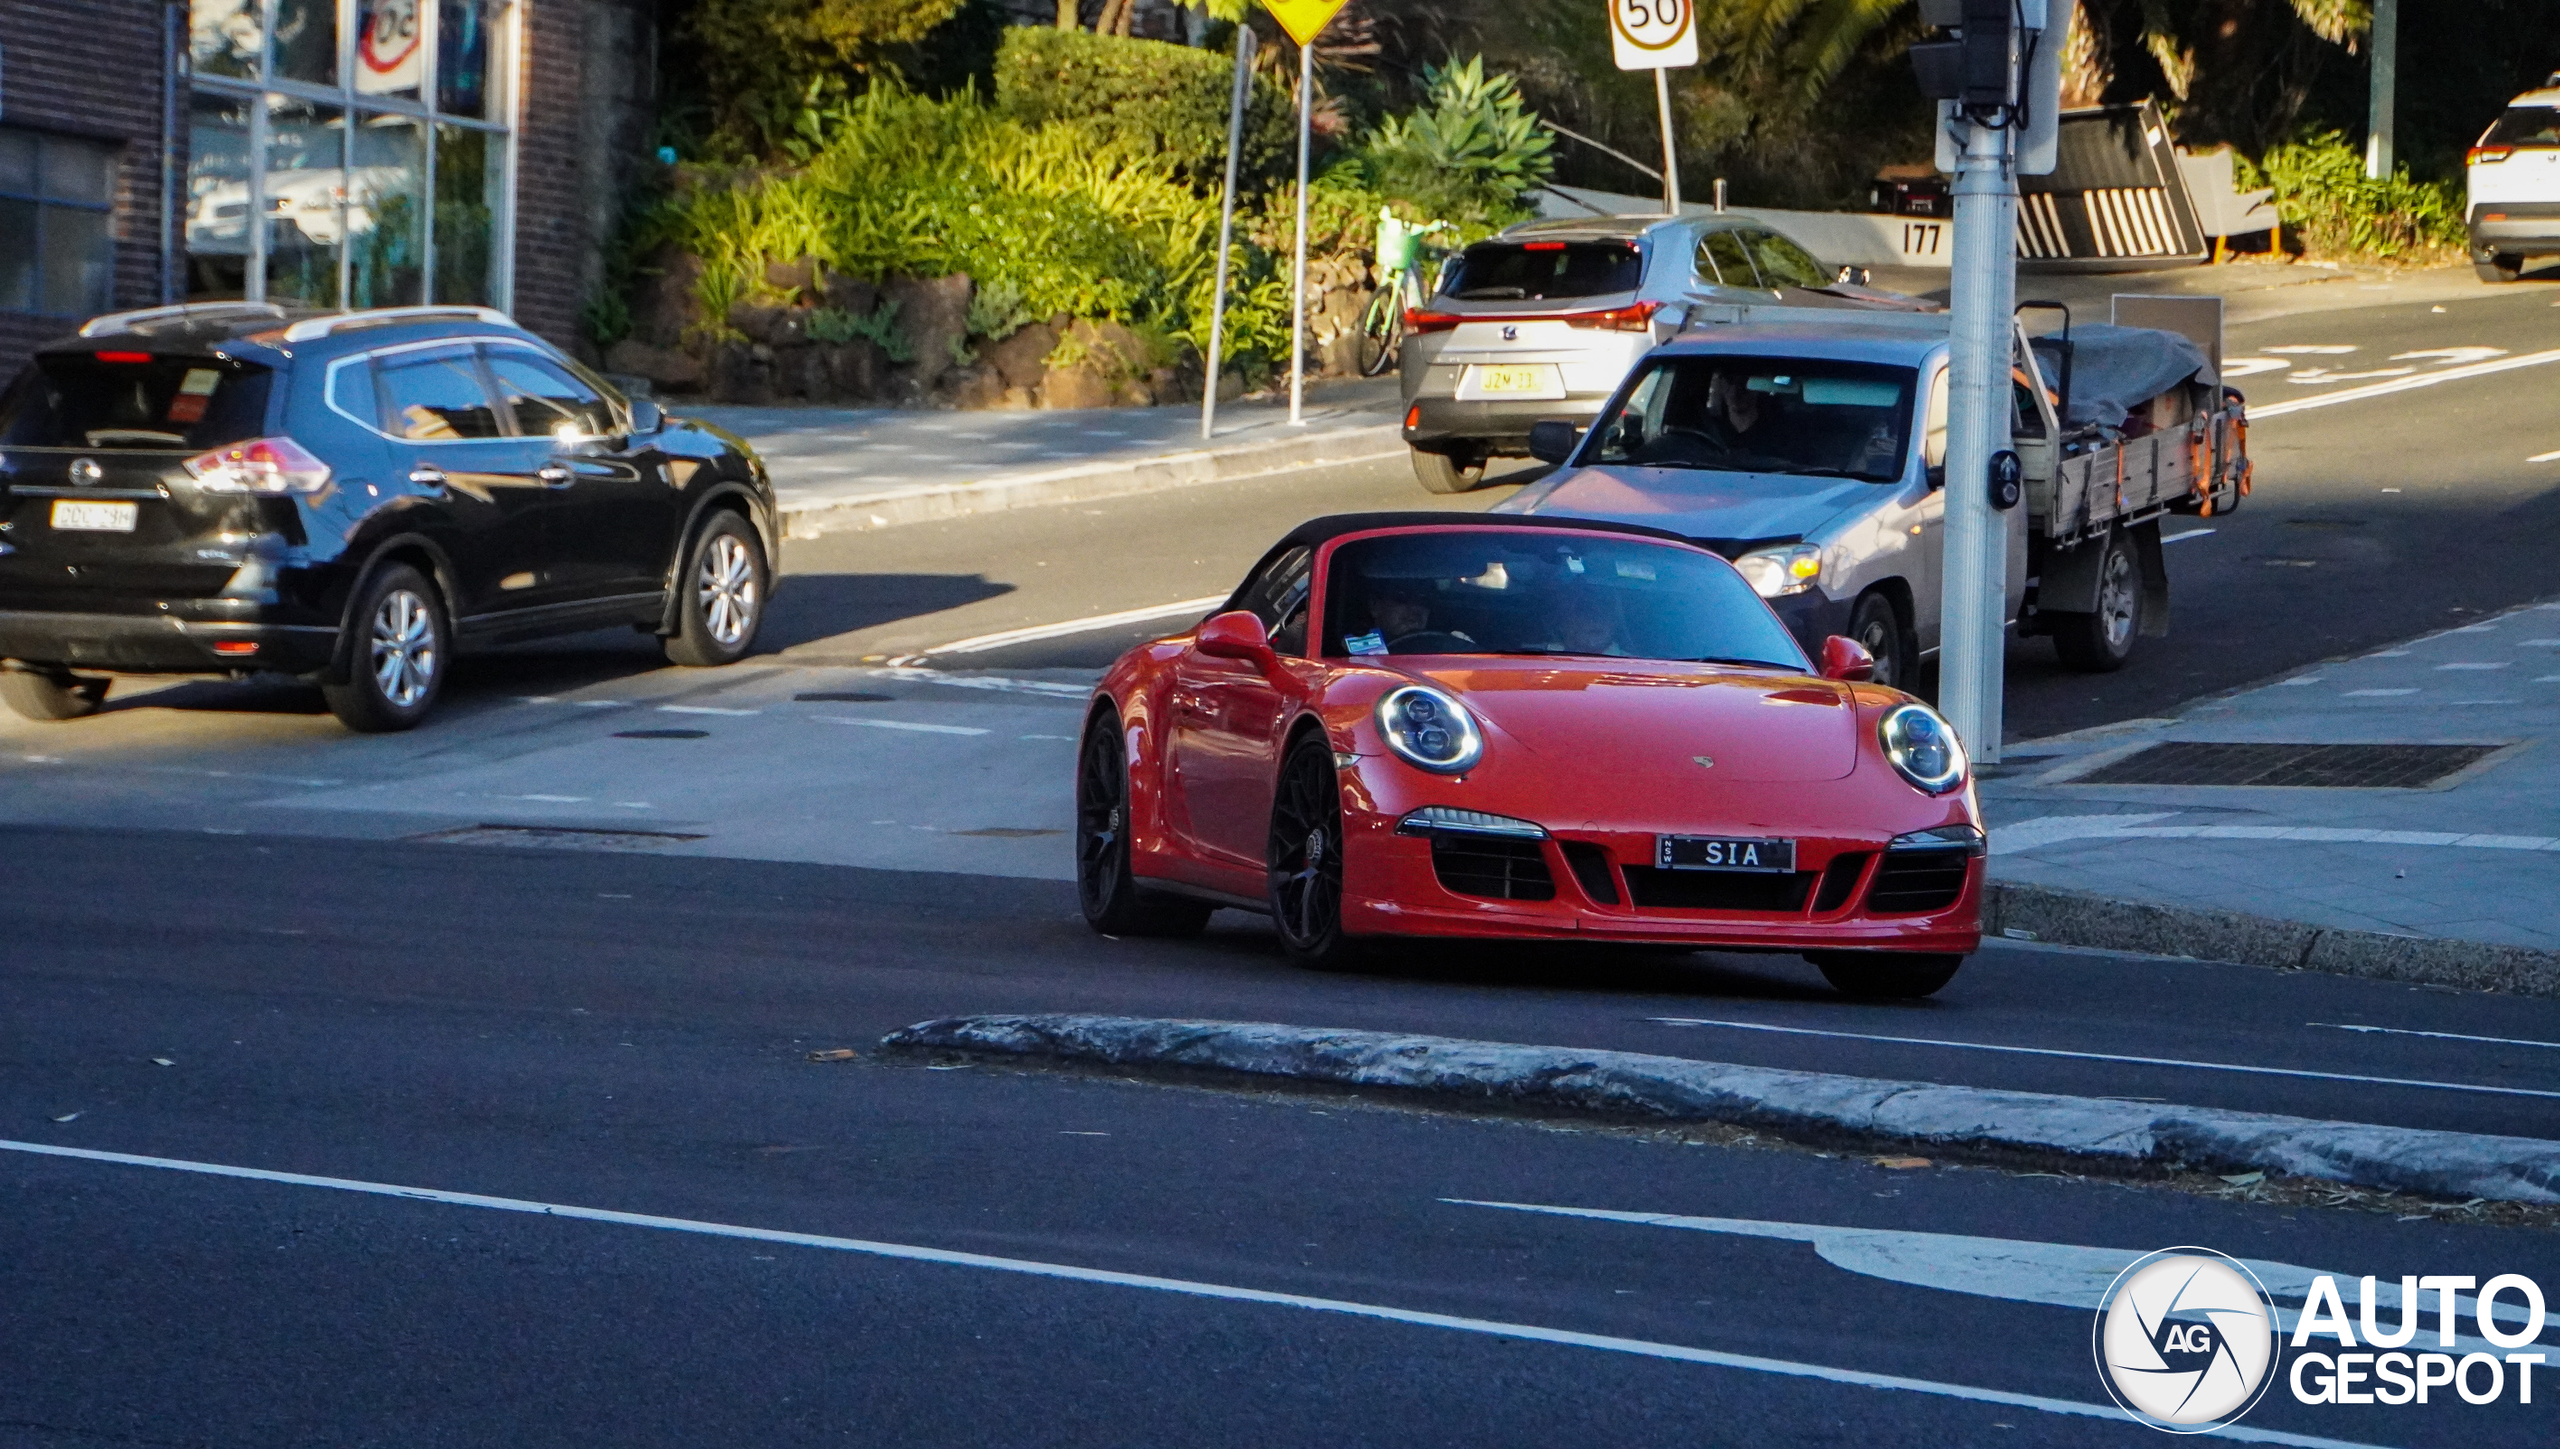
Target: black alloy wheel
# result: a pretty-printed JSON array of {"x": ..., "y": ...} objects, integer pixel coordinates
[
  {"x": 2100, "y": 643},
  {"x": 1885, "y": 975},
  {"x": 1877, "y": 627},
  {"x": 397, "y": 661},
  {"x": 1448, "y": 472},
  {"x": 1105, "y": 887},
  {"x": 1306, "y": 858},
  {"x": 721, "y": 593},
  {"x": 52, "y": 694}
]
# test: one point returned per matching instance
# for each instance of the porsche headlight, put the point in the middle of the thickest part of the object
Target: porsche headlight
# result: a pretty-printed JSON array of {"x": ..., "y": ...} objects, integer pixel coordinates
[
  {"x": 1428, "y": 728},
  {"x": 1778, "y": 571},
  {"x": 1923, "y": 748}
]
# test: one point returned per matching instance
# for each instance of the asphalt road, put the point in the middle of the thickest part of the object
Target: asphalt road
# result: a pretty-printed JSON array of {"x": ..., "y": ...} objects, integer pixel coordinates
[{"x": 629, "y": 1035}]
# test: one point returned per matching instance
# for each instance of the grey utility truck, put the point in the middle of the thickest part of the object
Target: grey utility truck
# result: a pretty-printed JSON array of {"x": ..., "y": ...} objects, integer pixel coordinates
[{"x": 1810, "y": 448}]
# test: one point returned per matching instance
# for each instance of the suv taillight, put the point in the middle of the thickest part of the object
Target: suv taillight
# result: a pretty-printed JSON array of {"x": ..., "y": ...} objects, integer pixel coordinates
[
  {"x": 2486, "y": 155},
  {"x": 1417, "y": 320},
  {"x": 260, "y": 465},
  {"x": 1618, "y": 319}
]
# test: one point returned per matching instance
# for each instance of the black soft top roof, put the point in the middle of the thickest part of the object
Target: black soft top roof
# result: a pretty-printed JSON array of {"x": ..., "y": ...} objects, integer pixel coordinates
[{"x": 1317, "y": 532}]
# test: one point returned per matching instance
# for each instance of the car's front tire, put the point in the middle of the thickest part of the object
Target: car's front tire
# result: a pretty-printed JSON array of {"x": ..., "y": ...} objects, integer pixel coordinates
[
  {"x": 1440, "y": 472},
  {"x": 52, "y": 694},
  {"x": 1305, "y": 857},
  {"x": 1885, "y": 975},
  {"x": 397, "y": 662},
  {"x": 1106, "y": 888},
  {"x": 722, "y": 590}
]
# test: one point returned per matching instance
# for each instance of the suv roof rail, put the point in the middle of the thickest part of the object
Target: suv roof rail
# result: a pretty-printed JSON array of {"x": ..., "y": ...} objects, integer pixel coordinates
[
  {"x": 125, "y": 321},
  {"x": 311, "y": 327}
]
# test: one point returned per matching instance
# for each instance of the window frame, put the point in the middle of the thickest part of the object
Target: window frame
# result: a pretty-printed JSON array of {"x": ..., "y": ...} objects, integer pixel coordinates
[
  {"x": 43, "y": 202},
  {"x": 370, "y": 360}
]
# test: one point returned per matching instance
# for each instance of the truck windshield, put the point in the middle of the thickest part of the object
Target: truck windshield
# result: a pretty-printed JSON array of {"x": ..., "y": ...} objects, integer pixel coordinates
[
  {"x": 1764, "y": 415},
  {"x": 1544, "y": 271},
  {"x": 133, "y": 400}
]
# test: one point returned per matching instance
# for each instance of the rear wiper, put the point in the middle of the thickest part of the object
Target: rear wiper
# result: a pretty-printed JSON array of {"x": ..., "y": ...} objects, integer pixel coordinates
[{"x": 1491, "y": 294}]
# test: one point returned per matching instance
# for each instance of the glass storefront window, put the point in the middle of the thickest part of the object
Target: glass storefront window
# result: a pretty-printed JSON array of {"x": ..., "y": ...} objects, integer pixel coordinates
[
  {"x": 390, "y": 48},
  {"x": 226, "y": 37},
  {"x": 341, "y": 153},
  {"x": 306, "y": 191},
  {"x": 386, "y": 213},
  {"x": 57, "y": 255},
  {"x": 307, "y": 41},
  {"x": 462, "y": 58},
  {"x": 466, "y": 206},
  {"x": 218, "y": 177}
]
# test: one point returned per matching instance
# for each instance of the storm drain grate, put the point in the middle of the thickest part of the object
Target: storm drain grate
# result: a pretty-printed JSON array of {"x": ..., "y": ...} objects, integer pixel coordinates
[
  {"x": 2329, "y": 767},
  {"x": 553, "y": 837}
]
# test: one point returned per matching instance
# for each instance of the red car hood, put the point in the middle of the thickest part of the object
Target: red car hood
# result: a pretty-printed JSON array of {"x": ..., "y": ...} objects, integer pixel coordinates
[{"x": 1607, "y": 724}]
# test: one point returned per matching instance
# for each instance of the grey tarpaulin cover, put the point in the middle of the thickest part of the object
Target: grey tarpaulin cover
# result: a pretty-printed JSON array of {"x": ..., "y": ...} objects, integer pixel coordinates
[{"x": 2117, "y": 369}]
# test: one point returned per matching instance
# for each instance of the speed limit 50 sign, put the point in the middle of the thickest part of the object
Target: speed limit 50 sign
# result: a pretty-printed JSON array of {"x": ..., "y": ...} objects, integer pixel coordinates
[{"x": 1653, "y": 34}]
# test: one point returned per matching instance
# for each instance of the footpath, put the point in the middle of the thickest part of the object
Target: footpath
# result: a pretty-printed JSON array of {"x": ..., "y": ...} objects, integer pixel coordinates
[{"x": 2393, "y": 815}]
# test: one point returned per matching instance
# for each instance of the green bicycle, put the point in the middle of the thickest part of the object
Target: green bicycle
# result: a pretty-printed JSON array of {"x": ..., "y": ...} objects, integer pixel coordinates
[{"x": 1400, "y": 250}]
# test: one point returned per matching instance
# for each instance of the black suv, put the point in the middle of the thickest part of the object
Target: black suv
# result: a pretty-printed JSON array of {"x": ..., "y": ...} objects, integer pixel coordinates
[{"x": 347, "y": 497}]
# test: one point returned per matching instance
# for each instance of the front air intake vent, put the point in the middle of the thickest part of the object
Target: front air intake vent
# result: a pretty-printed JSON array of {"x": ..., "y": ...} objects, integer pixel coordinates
[
  {"x": 1916, "y": 881},
  {"x": 1653, "y": 888},
  {"x": 1590, "y": 865},
  {"x": 1490, "y": 866}
]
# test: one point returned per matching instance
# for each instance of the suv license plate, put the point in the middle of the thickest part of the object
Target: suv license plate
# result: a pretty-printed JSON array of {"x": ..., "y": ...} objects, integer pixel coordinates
[
  {"x": 1716, "y": 852},
  {"x": 94, "y": 517},
  {"x": 1526, "y": 377}
]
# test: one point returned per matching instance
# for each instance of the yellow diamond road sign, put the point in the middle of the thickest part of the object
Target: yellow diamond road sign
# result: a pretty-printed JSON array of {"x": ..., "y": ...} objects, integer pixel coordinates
[{"x": 1303, "y": 19}]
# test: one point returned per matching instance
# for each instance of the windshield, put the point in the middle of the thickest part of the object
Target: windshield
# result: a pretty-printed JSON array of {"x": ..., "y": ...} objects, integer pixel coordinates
[
  {"x": 1546, "y": 591},
  {"x": 1544, "y": 271},
  {"x": 2526, "y": 126},
  {"x": 1764, "y": 415},
  {"x": 105, "y": 402}
]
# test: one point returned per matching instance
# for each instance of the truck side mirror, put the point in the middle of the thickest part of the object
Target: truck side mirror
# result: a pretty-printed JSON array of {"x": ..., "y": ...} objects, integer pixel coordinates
[
  {"x": 1937, "y": 476},
  {"x": 1553, "y": 441}
]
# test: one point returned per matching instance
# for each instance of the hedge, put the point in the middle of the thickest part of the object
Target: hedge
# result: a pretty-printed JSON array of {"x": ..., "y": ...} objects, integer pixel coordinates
[{"x": 1156, "y": 98}]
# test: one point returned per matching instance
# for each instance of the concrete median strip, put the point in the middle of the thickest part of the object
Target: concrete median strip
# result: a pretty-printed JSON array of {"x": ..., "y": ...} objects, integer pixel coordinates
[
  {"x": 810, "y": 513},
  {"x": 1818, "y": 1107}
]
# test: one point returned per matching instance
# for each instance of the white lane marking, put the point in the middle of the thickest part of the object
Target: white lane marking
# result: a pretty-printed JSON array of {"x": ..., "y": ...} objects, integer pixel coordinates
[
  {"x": 1049, "y": 688},
  {"x": 2538, "y": 643},
  {"x": 2329, "y": 349},
  {"x": 2319, "y": 375},
  {"x": 2470, "y": 665},
  {"x": 2403, "y": 384},
  {"x": 981, "y": 643},
  {"x": 552, "y": 799},
  {"x": 899, "y": 724},
  {"x": 2455, "y": 356},
  {"x": 2047, "y": 830},
  {"x": 2183, "y": 537},
  {"x": 2438, "y": 1035},
  {"x": 2552, "y": 457},
  {"x": 1192, "y": 1288},
  {"x": 2021, "y": 1270},
  {"x": 2251, "y": 366},
  {"x": 1983, "y": 1046},
  {"x": 2378, "y": 693},
  {"x": 703, "y": 709}
]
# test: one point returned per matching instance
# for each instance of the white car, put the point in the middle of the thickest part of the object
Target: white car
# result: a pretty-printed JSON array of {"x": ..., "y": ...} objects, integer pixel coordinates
[{"x": 2514, "y": 177}]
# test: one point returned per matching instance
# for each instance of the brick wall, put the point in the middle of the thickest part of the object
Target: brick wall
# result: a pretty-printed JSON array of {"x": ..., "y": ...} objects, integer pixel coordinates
[
  {"x": 92, "y": 68},
  {"x": 588, "y": 69}
]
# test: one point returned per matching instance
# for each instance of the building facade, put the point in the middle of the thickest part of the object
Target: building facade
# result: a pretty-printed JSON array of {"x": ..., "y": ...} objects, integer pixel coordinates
[{"x": 314, "y": 153}]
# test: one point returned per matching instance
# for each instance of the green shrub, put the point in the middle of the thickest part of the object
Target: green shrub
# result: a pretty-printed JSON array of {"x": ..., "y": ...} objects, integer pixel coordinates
[
  {"x": 1469, "y": 153},
  {"x": 2325, "y": 198},
  {"x": 1155, "y": 97},
  {"x": 834, "y": 324}
]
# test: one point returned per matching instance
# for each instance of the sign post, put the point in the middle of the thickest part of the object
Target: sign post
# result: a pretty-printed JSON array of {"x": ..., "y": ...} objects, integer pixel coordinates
[
  {"x": 1304, "y": 20},
  {"x": 1656, "y": 35},
  {"x": 1243, "y": 92}
]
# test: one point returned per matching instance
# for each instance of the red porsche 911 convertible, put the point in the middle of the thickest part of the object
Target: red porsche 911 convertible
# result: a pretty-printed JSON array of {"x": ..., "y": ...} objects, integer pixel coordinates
[{"x": 1501, "y": 726}]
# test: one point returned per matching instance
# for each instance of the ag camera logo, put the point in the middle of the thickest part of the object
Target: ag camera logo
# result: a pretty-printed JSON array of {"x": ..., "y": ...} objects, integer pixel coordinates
[{"x": 2185, "y": 1340}]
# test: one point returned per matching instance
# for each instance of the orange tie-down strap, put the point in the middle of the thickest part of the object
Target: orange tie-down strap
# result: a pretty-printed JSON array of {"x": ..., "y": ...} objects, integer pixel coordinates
[{"x": 2200, "y": 476}]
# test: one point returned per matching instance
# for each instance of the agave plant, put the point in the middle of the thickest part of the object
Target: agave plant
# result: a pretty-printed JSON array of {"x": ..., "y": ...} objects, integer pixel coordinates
[{"x": 1472, "y": 148}]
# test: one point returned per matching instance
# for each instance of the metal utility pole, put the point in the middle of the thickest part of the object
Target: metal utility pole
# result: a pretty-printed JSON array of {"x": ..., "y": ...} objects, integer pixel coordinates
[
  {"x": 1243, "y": 92},
  {"x": 1298, "y": 265},
  {"x": 1670, "y": 150},
  {"x": 1972, "y": 609},
  {"x": 2385, "y": 41}
]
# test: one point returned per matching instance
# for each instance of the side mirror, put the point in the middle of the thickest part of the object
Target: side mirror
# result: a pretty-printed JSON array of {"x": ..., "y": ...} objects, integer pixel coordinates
[
  {"x": 1553, "y": 441},
  {"x": 1853, "y": 277},
  {"x": 1937, "y": 476},
  {"x": 1847, "y": 660},
  {"x": 647, "y": 417},
  {"x": 1237, "y": 634}
]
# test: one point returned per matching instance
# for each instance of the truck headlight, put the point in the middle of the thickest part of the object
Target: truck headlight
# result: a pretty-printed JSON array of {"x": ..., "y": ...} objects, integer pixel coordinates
[
  {"x": 1922, "y": 748},
  {"x": 1430, "y": 729},
  {"x": 1776, "y": 572}
]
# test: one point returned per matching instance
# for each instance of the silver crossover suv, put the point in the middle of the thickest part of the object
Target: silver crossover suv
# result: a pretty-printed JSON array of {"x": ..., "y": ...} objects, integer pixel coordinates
[{"x": 1544, "y": 320}]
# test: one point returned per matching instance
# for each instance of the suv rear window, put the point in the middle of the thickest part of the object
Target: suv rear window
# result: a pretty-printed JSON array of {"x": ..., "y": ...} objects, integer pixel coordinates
[
  {"x": 1503, "y": 271},
  {"x": 2526, "y": 126},
  {"x": 103, "y": 402}
]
